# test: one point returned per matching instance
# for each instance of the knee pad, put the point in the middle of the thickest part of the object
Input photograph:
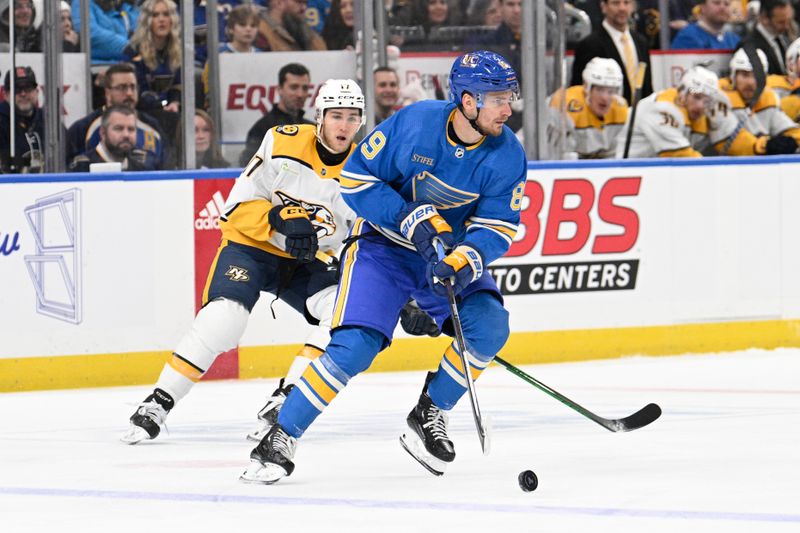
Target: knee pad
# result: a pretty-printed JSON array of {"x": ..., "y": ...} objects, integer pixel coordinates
[
  {"x": 216, "y": 328},
  {"x": 485, "y": 324},
  {"x": 352, "y": 349}
]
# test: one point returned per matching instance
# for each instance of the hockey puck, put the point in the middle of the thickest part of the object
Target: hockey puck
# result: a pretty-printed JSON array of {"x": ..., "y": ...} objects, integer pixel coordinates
[{"x": 528, "y": 480}]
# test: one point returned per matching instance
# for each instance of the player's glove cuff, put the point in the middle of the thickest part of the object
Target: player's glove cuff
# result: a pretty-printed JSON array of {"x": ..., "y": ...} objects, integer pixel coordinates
[
  {"x": 462, "y": 266},
  {"x": 421, "y": 224}
]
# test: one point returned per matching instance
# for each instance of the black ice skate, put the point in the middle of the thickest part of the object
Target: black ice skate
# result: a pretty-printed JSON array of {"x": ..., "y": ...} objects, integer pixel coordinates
[
  {"x": 148, "y": 418},
  {"x": 428, "y": 442},
  {"x": 271, "y": 460},
  {"x": 268, "y": 415}
]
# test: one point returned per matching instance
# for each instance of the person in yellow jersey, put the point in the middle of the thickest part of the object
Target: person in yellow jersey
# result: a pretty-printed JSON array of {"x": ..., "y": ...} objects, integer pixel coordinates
[
  {"x": 283, "y": 216},
  {"x": 787, "y": 87},
  {"x": 691, "y": 119},
  {"x": 760, "y": 112},
  {"x": 593, "y": 113}
]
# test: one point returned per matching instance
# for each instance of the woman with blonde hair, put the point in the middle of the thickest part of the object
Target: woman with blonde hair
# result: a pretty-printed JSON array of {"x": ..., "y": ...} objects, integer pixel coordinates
[{"x": 155, "y": 52}]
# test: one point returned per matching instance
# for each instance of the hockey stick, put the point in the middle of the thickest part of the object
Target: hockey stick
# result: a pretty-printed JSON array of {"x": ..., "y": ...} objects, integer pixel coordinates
[
  {"x": 462, "y": 349},
  {"x": 644, "y": 416},
  {"x": 637, "y": 95}
]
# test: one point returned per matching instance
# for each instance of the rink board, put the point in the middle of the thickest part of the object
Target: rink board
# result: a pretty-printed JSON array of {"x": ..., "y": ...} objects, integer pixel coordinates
[{"x": 99, "y": 274}]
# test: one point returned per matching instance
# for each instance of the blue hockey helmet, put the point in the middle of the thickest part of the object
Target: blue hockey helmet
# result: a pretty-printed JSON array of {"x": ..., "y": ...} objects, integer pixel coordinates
[{"x": 482, "y": 72}]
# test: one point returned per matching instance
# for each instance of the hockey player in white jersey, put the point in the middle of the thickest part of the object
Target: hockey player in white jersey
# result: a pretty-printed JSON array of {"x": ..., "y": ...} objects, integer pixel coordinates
[
  {"x": 592, "y": 114},
  {"x": 789, "y": 83},
  {"x": 283, "y": 213},
  {"x": 687, "y": 120},
  {"x": 760, "y": 112}
]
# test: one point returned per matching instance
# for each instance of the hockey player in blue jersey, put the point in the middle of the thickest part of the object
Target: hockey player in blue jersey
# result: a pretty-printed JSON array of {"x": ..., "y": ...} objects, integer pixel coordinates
[{"x": 436, "y": 171}]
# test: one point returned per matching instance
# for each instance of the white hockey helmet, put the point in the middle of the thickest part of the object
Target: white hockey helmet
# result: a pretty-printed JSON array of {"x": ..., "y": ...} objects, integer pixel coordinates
[
  {"x": 337, "y": 94},
  {"x": 603, "y": 72},
  {"x": 699, "y": 80},
  {"x": 792, "y": 55},
  {"x": 741, "y": 63}
]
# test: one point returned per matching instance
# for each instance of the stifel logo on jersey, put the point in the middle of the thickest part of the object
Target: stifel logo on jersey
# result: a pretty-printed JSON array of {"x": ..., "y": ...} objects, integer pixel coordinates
[
  {"x": 576, "y": 220},
  {"x": 208, "y": 217}
]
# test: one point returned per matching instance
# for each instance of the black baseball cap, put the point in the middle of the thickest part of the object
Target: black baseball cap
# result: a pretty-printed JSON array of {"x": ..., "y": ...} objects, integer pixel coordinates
[{"x": 24, "y": 78}]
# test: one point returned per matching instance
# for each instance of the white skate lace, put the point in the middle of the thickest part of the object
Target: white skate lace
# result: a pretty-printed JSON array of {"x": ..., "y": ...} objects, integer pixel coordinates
[
  {"x": 154, "y": 411},
  {"x": 437, "y": 422},
  {"x": 284, "y": 444}
]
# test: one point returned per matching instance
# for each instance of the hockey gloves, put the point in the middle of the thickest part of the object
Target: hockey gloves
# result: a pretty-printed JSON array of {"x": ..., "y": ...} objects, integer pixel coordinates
[
  {"x": 415, "y": 321},
  {"x": 781, "y": 144},
  {"x": 292, "y": 222},
  {"x": 420, "y": 223},
  {"x": 462, "y": 266}
]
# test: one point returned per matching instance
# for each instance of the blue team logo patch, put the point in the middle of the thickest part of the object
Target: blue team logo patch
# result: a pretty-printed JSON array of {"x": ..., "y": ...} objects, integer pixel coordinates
[{"x": 429, "y": 188}]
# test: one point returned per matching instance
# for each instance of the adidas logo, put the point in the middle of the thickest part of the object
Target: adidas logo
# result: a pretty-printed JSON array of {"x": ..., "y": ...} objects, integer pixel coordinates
[{"x": 208, "y": 217}]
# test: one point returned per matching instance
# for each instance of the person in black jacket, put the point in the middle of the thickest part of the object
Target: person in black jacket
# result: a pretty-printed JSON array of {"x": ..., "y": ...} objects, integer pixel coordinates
[
  {"x": 28, "y": 125},
  {"x": 117, "y": 143},
  {"x": 770, "y": 34},
  {"x": 615, "y": 39},
  {"x": 294, "y": 86}
]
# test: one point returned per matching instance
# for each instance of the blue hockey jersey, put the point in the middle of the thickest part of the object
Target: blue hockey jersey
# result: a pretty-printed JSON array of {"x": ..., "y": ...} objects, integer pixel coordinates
[{"x": 410, "y": 157}]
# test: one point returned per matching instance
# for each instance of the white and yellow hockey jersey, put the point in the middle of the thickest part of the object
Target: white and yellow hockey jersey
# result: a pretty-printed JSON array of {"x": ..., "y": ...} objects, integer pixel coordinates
[
  {"x": 663, "y": 128},
  {"x": 765, "y": 117},
  {"x": 585, "y": 134},
  {"x": 287, "y": 170}
]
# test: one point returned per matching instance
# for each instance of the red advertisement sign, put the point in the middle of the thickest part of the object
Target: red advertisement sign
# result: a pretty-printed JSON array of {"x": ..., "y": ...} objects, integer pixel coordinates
[{"x": 209, "y": 201}]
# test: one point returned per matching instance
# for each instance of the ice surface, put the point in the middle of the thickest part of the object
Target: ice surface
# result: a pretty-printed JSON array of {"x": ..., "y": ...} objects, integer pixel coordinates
[{"x": 725, "y": 456}]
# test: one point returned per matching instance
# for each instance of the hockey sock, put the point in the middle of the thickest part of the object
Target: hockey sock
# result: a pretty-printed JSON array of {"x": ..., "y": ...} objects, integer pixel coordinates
[
  {"x": 449, "y": 384},
  {"x": 178, "y": 377},
  {"x": 301, "y": 361}
]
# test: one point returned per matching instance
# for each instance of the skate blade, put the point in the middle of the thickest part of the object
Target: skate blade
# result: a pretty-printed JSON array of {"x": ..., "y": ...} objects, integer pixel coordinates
[
  {"x": 135, "y": 435},
  {"x": 262, "y": 474},
  {"x": 257, "y": 434},
  {"x": 416, "y": 449}
]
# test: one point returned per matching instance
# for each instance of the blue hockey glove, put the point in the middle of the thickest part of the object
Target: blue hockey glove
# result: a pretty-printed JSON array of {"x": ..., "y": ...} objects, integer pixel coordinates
[
  {"x": 420, "y": 223},
  {"x": 293, "y": 222},
  {"x": 462, "y": 266}
]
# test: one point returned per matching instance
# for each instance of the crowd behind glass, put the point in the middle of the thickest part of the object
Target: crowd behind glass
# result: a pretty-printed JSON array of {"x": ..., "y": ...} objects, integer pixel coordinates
[{"x": 136, "y": 57}]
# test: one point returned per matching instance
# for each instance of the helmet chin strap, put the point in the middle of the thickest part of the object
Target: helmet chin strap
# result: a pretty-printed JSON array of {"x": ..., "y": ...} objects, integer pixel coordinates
[
  {"x": 322, "y": 142},
  {"x": 473, "y": 121}
]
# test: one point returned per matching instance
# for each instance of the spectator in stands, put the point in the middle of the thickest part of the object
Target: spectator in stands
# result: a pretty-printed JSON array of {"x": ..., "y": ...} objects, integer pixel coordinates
[
  {"x": 387, "y": 93},
  {"x": 710, "y": 31},
  {"x": 434, "y": 13},
  {"x": 595, "y": 113},
  {"x": 759, "y": 113},
  {"x": 506, "y": 39},
  {"x": 27, "y": 37},
  {"x": 294, "y": 88},
  {"x": 111, "y": 23},
  {"x": 691, "y": 119},
  {"x": 71, "y": 38},
  {"x": 615, "y": 39},
  {"x": 241, "y": 29},
  {"x": 648, "y": 19},
  {"x": 155, "y": 52},
  {"x": 28, "y": 125},
  {"x": 283, "y": 28},
  {"x": 338, "y": 30},
  {"x": 317, "y": 13},
  {"x": 207, "y": 149},
  {"x": 485, "y": 13},
  {"x": 117, "y": 143},
  {"x": 771, "y": 33},
  {"x": 120, "y": 87}
]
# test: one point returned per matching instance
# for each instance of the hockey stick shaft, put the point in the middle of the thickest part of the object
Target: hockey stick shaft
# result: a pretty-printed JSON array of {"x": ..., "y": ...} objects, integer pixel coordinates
[
  {"x": 462, "y": 352},
  {"x": 637, "y": 420},
  {"x": 637, "y": 94}
]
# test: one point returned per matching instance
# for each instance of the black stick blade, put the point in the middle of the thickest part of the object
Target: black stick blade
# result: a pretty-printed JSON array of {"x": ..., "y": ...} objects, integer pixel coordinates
[{"x": 644, "y": 416}]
